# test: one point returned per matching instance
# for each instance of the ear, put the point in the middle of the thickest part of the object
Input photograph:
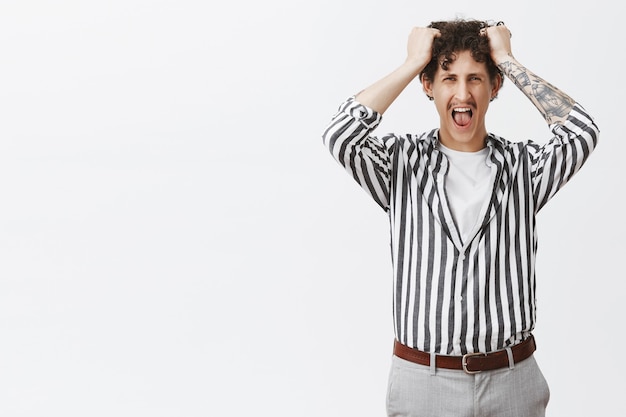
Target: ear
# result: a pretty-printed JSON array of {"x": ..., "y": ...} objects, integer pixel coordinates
[
  {"x": 427, "y": 86},
  {"x": 495, "y": 86}
]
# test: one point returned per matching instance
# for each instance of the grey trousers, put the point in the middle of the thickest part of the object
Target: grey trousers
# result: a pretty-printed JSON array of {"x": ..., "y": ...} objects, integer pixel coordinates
[{"x": 416, "y": 391}]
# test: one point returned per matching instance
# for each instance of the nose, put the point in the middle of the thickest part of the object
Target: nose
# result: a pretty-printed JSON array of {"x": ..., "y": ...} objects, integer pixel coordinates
[{"x": 462, "y": 92}]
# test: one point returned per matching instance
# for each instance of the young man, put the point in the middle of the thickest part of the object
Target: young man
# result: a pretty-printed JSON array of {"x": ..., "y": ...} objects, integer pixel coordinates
[{"x": 462, "y": 205}]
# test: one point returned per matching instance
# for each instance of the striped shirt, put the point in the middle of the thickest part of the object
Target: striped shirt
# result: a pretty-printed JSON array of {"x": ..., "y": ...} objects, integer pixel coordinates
[{"x": 451, "y": 296}]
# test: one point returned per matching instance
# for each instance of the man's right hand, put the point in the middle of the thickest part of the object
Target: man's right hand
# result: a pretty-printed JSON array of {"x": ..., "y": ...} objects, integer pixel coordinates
[
  {"x": 382, "y": 93},
  {"x": 420, "y": 46}
]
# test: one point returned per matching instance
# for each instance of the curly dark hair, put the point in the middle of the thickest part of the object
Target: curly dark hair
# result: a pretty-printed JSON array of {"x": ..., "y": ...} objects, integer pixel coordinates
[{"x": 458, "y": 36}]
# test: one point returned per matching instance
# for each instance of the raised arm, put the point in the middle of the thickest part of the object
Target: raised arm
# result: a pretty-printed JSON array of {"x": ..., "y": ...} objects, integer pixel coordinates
[
  {"x": 575, "y": 132},
  {"x": 382, "y": 93},
  {"x": 553, "y": 104}
]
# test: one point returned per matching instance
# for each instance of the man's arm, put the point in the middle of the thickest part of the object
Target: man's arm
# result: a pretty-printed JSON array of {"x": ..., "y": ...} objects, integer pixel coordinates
[
  {"x": 382, "y": 93},
  {"x": 347, "y": 136},
  {"x": 553, "y": 104}
]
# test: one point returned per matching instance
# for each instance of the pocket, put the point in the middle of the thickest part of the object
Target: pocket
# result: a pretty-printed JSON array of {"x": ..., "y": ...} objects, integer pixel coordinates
[
  {"x": 538, "y": 391},
  {"x": 543, "y": 383},
  {"x": 406, "y": 388},
  {"x": 390, "y": 386}
]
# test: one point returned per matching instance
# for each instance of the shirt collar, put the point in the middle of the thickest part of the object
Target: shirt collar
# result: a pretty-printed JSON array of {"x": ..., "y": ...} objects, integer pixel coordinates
[{"x": 491, "y": 140}]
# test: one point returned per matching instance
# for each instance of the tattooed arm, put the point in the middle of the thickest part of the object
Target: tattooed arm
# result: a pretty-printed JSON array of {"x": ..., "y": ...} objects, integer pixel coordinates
[{"x": 553, "y": 104}]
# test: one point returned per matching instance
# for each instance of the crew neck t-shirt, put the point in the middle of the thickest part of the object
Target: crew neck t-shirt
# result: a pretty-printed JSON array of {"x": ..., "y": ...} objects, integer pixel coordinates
[{"x": 467, "y": 186}]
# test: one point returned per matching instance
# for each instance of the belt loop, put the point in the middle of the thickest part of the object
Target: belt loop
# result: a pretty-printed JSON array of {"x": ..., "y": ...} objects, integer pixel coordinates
[
  {"x": 433, "y": 363},
  {"x": 509, "y": 353}
]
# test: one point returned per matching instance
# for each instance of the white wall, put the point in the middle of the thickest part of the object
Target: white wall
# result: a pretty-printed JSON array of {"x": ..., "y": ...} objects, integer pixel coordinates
[{"x": 176, "y": 241}]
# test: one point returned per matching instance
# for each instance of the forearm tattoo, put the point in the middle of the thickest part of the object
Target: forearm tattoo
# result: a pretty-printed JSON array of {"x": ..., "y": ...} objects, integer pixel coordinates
[{"x": 553, "y": 104}]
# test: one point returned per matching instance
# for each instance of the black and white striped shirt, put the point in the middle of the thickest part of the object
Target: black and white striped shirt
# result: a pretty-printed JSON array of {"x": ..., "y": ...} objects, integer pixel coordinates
[{"x": 452, "y": 296}]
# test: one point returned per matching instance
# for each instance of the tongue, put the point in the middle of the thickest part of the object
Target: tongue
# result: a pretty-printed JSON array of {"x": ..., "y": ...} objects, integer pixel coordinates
[{"x": 462, "y": 118}]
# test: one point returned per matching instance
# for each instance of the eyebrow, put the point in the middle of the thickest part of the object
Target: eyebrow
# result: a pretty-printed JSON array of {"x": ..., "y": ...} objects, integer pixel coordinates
[{"x": 473, "y": 74}]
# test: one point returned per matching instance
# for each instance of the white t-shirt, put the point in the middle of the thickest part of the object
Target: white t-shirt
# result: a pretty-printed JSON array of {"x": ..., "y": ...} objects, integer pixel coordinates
[{"x": 467, "y": 186}]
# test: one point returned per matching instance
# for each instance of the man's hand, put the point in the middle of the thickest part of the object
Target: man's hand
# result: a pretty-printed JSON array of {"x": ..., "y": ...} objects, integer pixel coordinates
[
  {"x": 500, "y": 42},
  {"x": 420, "y": 46}
]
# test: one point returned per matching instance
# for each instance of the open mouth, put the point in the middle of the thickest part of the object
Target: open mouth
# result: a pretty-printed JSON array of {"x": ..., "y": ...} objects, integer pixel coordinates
[{"x": 462, "y": 116}]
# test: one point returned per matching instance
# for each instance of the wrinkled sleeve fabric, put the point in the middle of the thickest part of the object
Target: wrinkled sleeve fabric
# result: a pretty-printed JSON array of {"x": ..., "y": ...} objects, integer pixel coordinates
[
  {"x": 366, "y": 158},
  {"x": 556, "y": 162}
]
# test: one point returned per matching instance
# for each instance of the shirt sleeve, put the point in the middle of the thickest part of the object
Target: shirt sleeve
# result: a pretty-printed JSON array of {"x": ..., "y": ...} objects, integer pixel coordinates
[
  {"x": 365, "y": 157},
  {"x": 558, "y": 160}
]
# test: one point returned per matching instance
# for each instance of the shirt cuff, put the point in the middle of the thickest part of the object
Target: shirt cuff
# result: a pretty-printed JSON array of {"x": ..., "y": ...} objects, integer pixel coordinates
[
  {"x": 367, "y": 116},
  {"x": 578, "y": 121}
]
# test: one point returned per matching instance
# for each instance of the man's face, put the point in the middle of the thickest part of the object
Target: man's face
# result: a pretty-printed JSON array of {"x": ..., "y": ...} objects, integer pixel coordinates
[{"x": 462, "y": 94}]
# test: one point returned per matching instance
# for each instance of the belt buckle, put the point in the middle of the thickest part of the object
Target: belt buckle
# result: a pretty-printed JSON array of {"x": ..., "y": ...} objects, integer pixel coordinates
[{"x": 464, "y": 362}]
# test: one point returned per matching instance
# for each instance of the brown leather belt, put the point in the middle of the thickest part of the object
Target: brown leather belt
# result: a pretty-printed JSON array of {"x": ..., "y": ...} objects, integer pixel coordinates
[{"x": 472, "y": 362}]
